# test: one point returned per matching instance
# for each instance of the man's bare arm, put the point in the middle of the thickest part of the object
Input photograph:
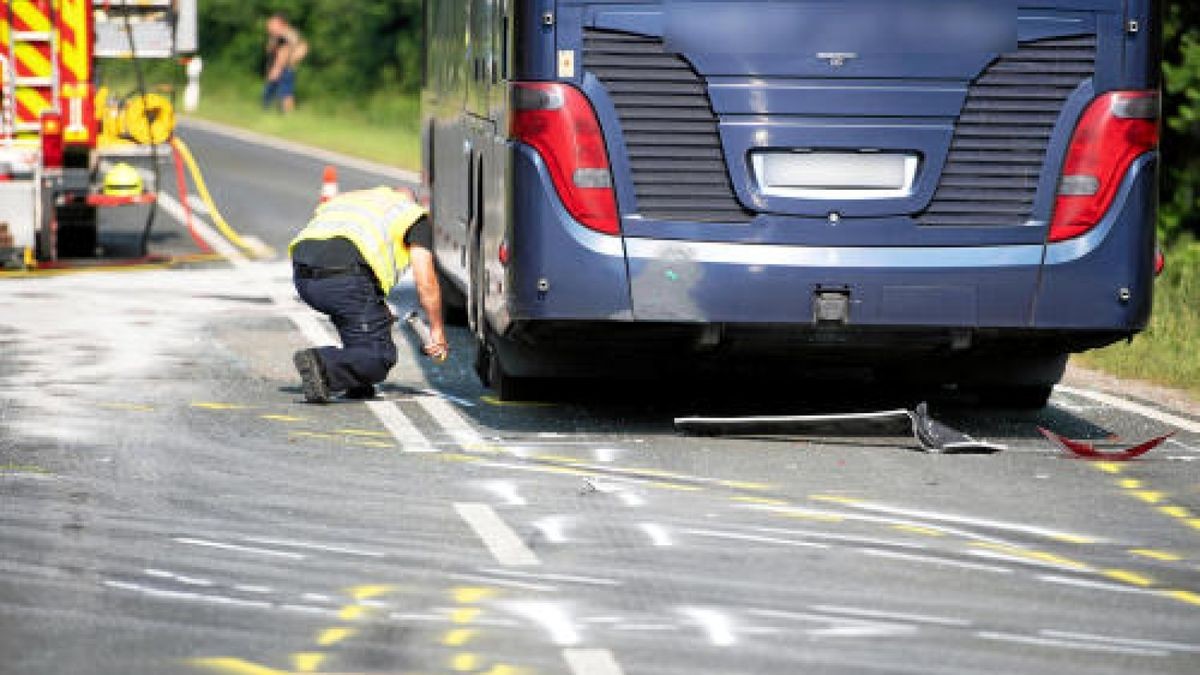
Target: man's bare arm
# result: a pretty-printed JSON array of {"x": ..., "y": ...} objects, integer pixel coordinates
[{"x": 430, "y": 296}]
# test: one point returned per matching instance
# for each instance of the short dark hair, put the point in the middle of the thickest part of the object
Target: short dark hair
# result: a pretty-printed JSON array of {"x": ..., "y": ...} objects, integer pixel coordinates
[{"x": 282, "y": 16}]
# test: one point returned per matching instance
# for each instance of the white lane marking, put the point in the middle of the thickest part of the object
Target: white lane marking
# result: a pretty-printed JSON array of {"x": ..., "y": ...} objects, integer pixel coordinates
[
  {"x": 880, "y": 614},
  {"x": 551, "y": 617},
  {"x": 1066, "y": 644},
  {"x": 1024, "y": 560},
  {"x": 592, "y": 662},
  {"x": 191, "y": 541},
  {"x": 659, "y": 536},
  {"x": 184, "y": 595},
  {"x": 1095, "y": 585},
  {"x": 716, "y": 625},
  {"x": 245, "y": 588},
  {"x": 911, "y": 557},
  {"x": 1183, "y": 445},
  {"x": 306, "y": 609},
  {"x": 188, "y": 581},
  {"x": 317, "y": 597},
  {"x": 309, "y": 151},
  {"x": 987, "y": 523},
  {"x": 639, "y": 627},
  {"x": 268, "y": 541},
  {"x": 525, "y": 586},
  {"x": 1129, "y": 642},
  {"x": 400, "y": 427},
  {"x": 574, "y": 578},
  {"x": 846, "y": 538},
  {"x": 553, "y": 528},
  {"x": 507, "y": 491},
  {"x": 864, "y": 631},
  {"x": 606, "y": 455},
  {"x": 458, "y": 400},
  {"x": 1191, "y": 426},
  {"x": 631, "y": 499},
  {"x": 735, "y": 536},
  {"x": 215, "y": 241},
  {"x": 504, "y": 544},
  {"x": 448, "y": 417}
]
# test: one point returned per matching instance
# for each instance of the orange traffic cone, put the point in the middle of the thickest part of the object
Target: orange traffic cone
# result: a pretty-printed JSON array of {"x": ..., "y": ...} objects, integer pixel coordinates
[{"x": 329, "y": 184}]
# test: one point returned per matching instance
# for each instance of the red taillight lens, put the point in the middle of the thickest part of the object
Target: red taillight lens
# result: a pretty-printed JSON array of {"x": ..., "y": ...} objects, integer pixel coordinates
[
  {"x": 558, "y": 121},
  {"x": 52, "y": 140},
  {"x": 1115, "y": 130}
]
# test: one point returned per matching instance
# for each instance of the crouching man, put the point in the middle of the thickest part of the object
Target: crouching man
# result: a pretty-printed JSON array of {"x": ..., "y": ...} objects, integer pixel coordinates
[{"x": 345, "y": 262}]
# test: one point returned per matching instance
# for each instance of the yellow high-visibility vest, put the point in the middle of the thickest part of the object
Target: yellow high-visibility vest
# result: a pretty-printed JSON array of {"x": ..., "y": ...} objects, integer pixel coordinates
[{"x": 375, "y": 221}]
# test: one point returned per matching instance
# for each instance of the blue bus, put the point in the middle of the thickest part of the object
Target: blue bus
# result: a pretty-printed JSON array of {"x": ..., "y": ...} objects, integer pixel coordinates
[{"x": 962, "y": 191}]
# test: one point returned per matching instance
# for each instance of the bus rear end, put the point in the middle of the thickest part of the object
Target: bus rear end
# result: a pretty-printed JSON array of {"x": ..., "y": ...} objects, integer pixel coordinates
[{"x": 957, "y": 188}]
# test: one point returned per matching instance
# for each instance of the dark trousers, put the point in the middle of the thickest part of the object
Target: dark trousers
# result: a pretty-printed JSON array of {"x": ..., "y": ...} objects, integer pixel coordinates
[{"x": 357, "y": 308}]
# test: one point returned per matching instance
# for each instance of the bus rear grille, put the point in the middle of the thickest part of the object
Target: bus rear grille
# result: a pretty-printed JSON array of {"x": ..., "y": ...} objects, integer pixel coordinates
[
  {"x": 670, "y": 130},
  {"x": 1000, "y": 142}
]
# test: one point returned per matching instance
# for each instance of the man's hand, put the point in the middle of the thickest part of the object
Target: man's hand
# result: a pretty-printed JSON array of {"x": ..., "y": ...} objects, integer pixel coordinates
[{"x": 438, "y": 349}]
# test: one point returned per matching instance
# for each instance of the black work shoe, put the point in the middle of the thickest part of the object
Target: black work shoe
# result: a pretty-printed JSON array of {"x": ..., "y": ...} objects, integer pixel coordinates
[
  {"x": 361, "y": 392},
  {"x": 312, "y": 375}
]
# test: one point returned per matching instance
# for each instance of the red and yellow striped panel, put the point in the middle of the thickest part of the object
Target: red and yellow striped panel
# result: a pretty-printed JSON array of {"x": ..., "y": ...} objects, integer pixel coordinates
[
  {"x": 33, "y": 64},
  {"x": 75, "y": 40}
]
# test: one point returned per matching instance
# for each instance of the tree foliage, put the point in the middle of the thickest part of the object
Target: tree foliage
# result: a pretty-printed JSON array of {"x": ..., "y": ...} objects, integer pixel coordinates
[
  {"x": 1181, "y": 128},
  {"x": 356, "y": 48}
]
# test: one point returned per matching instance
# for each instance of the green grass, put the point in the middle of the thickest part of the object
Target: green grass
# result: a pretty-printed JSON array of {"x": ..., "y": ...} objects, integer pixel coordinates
[
  {"x": 382, "y": 128},
  {"x": 1168, "y": 352}
]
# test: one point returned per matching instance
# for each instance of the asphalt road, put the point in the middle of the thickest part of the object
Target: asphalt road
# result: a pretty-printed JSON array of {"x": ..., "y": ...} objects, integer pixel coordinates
[{"x": 169, "y": 504}]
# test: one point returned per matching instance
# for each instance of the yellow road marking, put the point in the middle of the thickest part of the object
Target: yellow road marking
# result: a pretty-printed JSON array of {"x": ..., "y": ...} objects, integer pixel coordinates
[
  {"x": 1175, "y": 511},
  {"x": 1109, "y": 467},
  {"x": 1165, "y": 556},
  {"x": 1072, "y": 538},
  {"x": 307, "y": 662},
  {"x": 1149, "y": 496},
  {"x": 209, "y": 405},
  {"x": 370, "y": 591},
  {"x": 835, "y": 499},
  {"x": 1185, "y": 596},
  {"x": 464, "y": 663},
  {"x": 919, "y": 530},
  {"x": 316, "y": 434},
  {"x": 282, "y": 418},
  {"x": 1194, "y": 523},
  {"x": 464, "y": 615},
  {"x": 761, "y": 500},
  {"x": 744, "y": 485},
  {"x": 235, "y": 666},
  {"x": 1130, "y": 483},
  {"x": 332, "y": 636},
  {"x": 364, "y": 432},
  {"x": 1030, "y": 554},
  {"x": 1127, "y": 577},
  {"x": 818, "y": 517},
  {"x": 676, "y": 486},
  {"x": 470, "y": 595},
  {"x": 458, "y": 637},
  {"x": 352, "y": 612},
  {"x": 504, "y": 669}
]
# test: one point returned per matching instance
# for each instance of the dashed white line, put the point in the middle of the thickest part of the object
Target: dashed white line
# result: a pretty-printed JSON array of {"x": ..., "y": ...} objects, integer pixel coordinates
[
  {"x": 450, "y": 420},
  {"x": 190, "y": 541},
  {"x": 881, "y": 614},
  {"x": 735, "y": 536},
  {"x": 912, "y": 557},
  {"x": 551, "y": 617},
  {"x": 497, "y": 536},
  {"x": 290, "y": 543},
  {"x": 715, "y": 624},
  {"x": 1191, "y": 426},
  {"x": 1067, "y": 644},
  {"x": 659, "y": 536},
  {"x": 1129, "y": 642},
  {"x": 399, "y": 426},
  {"x": 592, "y": 662}
]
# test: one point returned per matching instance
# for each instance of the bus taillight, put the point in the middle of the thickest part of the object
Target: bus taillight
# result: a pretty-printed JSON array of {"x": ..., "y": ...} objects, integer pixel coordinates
[
  {"x": 1116, "y": 129},
  {"x": 559, "y": 123}
]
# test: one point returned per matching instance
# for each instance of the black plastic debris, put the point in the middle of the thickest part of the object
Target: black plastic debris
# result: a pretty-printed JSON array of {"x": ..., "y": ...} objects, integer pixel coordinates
[{"x": 932, "y": 435}]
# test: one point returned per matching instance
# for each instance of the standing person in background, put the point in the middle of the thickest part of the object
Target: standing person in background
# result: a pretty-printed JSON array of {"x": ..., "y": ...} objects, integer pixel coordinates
[{"x": 285, "y": 50}]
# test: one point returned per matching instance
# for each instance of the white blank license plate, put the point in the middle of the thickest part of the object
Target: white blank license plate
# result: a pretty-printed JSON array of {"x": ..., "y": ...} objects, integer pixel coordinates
[{"x": 818, "y": 175}]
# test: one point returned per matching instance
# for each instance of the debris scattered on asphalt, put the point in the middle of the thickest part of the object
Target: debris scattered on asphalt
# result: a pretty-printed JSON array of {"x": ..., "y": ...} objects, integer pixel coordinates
[
  {"x": 932, "y": 435},
  {"x": 1090, "y": 451}
]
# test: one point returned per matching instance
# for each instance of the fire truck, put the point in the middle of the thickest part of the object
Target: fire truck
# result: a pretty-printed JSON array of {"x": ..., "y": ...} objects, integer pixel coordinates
[{"x": 59, "y": 123}]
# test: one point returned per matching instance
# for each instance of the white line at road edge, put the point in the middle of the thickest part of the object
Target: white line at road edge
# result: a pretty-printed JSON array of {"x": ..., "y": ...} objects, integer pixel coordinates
[
  {"x": 1135, "y": 408},
  {"x": 319, "y": 154},
  {"x": 411, "y": 439},
  {"x": 505, "y": 545},
  {"x": 592, "y": 662}
]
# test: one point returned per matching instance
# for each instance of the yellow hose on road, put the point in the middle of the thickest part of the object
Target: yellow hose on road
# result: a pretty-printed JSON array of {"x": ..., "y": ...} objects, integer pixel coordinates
[{"x": 252, "y": 250}]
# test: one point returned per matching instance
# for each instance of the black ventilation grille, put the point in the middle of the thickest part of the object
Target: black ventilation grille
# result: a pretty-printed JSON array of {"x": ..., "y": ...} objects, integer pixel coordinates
[
  {"x": 1000, "y": 141},
  {"x": 670, "y": 130}
]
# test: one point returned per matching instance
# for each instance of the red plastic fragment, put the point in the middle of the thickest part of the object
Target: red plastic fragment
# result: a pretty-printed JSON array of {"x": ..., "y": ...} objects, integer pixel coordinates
[{"x": 1089, "y": 451}]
